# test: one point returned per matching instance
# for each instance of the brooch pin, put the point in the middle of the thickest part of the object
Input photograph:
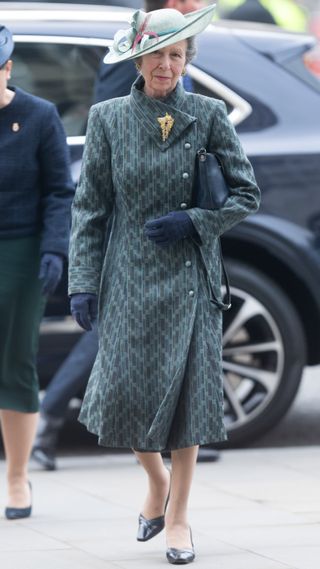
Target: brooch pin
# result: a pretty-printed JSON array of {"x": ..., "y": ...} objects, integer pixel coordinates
[
  {"x": 166, "y": 124},
  {"x": 15, "y": 126}
]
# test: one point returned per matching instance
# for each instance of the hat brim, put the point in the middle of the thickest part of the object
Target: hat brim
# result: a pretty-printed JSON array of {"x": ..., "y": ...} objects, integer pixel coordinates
[
  {"x": 6, "y": 45},
  {"x": 196, "y": 22}
]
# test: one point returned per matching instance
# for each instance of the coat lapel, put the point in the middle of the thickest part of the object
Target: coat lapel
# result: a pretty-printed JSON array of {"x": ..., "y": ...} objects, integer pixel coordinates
[{"x": 147, "y": 110}]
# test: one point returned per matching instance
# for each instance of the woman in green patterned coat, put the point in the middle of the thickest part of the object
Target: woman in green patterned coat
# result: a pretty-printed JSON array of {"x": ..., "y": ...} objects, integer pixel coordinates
[{"x": 157, "y": 380}]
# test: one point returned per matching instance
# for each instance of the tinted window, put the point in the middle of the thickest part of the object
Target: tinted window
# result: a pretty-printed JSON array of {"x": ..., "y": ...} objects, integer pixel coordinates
[
  {"x": 203, "y": 90},
  {"x": 261, "y": 115},
  {"x": 63, "y": 74}
]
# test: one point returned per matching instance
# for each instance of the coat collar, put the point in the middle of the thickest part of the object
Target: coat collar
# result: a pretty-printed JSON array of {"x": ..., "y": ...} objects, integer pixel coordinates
[{"x": 147, "y": 110}]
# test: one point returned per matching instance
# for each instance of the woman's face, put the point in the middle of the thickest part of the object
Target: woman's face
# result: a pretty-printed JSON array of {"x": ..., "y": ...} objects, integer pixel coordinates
[{"x": 162, "y": 69}]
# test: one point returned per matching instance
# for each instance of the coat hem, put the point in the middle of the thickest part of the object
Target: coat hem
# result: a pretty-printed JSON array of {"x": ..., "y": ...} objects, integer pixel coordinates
[{"x": 112, "y": 442}]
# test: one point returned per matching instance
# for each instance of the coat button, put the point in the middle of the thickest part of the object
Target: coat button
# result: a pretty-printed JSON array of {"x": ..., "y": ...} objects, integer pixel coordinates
[
  {"x": 187, "y": 145},
  {"x": 188, "y": 263},
  {"x": 185, "y": 175},
  {"x": 183, "y": 205},
  {"x": 191, "y": 292}
]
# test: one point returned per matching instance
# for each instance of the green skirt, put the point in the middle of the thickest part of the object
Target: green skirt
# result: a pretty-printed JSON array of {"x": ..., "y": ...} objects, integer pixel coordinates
[{"x": 21, "y": 310}]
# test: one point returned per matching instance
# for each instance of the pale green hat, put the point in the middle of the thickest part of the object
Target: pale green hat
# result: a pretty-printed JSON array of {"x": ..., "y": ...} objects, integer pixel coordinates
[{"x": 153, "y": 30}]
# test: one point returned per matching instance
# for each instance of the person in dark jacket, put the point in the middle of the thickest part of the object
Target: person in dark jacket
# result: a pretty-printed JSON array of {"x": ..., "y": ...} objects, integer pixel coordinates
[
  {"x": 36, "y": 191},
  {"x": 251, "y": 11},
  {"x": 69, "y": 381},
  {"x": 287, "y": 14}
]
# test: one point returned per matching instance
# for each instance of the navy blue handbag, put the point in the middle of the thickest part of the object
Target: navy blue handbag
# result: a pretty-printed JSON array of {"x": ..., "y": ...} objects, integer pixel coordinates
[
  {"x": 210, "y": 191},
  {"x": 210, "y": 188}
]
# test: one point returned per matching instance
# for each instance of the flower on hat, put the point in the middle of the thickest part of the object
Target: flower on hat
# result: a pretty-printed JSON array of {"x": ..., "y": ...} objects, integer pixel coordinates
[{"x": 138, "y": 34}]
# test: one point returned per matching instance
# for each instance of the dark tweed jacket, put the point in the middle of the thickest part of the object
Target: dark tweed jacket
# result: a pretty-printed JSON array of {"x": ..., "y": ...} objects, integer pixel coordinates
[
  {"x": 36, "y": 189},
  {"x": 157, "y": 379}
]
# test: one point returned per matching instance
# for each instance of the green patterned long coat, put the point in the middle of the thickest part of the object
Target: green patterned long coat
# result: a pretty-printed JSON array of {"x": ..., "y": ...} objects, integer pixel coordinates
[{"x": 157, "y": 380}]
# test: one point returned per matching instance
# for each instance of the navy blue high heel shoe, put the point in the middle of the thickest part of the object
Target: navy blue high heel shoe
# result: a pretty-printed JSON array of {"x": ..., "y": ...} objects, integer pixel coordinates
[
  {"x": 148, "y": 529},
  {"x": 181, "y": 556},
  {"x": 18, "y": 513}
]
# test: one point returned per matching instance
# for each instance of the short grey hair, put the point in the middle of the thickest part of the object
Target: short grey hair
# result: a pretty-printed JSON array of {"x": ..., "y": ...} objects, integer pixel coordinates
[
  {"x": 191, "y": 49},
  {"x": 190, "y": 52}
]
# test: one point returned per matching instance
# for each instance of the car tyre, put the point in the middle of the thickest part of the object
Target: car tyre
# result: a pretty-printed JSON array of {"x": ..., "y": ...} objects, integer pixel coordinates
[{"x": 264, "y": 354}]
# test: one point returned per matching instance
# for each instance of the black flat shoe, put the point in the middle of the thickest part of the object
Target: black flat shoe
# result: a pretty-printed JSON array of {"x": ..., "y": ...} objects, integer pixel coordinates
[
  {"x": 18, "y": 513},
  {"x": 181, "y": 556},
  {"x": 150, "y": 528}
]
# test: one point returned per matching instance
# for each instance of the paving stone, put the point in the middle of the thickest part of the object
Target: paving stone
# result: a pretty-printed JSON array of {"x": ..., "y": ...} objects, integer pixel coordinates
[
  {"x": 254, "y": 509},
  {"x": 66, "y": 559}
]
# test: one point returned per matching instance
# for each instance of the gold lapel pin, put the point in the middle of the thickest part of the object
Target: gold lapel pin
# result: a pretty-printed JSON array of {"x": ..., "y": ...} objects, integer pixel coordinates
[
  {"x": 166, "y": 124},
  {"x": 15, "y": 126}
]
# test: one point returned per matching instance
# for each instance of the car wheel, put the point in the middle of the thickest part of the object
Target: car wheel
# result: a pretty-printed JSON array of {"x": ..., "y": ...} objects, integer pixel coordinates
[{"x": 263, "y": 354}]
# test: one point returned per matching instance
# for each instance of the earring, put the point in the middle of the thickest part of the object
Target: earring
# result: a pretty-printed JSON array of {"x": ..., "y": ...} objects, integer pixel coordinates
[
  {"x": 138, "y": 67},
  {"x": 184, "y": 72}
]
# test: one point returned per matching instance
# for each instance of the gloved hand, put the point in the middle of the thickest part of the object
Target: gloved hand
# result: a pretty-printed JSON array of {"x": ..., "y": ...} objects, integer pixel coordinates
[
  {"x": 170, "y": 228},
  {"x": 50, "y": 273},
  {"x": 84, "y": 309}
]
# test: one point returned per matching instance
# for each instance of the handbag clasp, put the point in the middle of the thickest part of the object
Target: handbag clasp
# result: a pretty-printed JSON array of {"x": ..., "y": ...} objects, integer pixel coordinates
[{"x": 202, "y": 153}]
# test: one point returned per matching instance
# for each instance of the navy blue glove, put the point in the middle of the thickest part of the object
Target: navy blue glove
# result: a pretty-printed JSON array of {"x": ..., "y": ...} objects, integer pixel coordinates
[
  {"x": 84, "y": 309},
  {"x": 50, "y": 273},
  {"x": 174, "y": 226}
]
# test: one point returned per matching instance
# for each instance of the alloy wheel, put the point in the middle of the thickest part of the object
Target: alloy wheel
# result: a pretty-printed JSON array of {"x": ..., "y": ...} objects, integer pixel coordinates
[{"x": 253, "y": 359}]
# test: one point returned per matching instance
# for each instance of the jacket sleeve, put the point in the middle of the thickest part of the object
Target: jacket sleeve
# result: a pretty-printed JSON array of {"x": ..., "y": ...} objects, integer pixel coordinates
[
  {"x": 244, "y": 193},
  {"x": 91, "y": 208},
  {"x": 57, "y": 188}
]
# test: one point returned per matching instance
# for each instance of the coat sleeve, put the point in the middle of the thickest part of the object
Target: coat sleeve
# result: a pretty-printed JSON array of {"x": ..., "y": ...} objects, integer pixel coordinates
[
  {"x": 91, "y": 208},
  {"x": 57, "y": 187},
  {"x": 244, "y": 193}
]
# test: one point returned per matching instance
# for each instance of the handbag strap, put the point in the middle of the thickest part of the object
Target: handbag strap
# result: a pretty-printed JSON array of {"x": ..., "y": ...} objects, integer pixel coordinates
[{"x": 221, "y": 305}]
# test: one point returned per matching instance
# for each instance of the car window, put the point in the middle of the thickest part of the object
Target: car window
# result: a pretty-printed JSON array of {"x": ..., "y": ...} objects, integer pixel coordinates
[
  {"x": 238, "y": 107},
  {"x": 259, "y": 117},
  {"x": 251, "y": 114},
  {"x": 63, "y": 74},
  {"x": 203, "y": 90}
]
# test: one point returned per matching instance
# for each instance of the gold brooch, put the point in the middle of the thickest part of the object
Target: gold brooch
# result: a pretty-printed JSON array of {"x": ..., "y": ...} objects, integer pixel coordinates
[{"x": 166, "y": 124}]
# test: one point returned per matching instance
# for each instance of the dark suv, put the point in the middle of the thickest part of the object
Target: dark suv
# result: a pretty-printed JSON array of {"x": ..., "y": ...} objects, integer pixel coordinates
[{"x": 273, "y": 329}]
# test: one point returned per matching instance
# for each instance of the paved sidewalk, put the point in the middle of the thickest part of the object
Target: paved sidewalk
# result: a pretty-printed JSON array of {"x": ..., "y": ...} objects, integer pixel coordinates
[{"x": 254, "y": 509}]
